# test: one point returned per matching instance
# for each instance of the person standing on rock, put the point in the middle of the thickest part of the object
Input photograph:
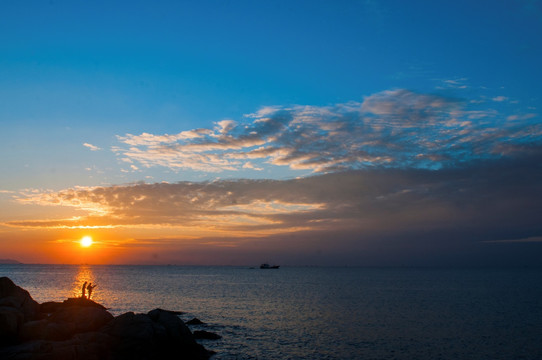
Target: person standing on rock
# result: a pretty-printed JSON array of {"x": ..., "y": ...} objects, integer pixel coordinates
[
  {"x": 83, "y": 290},
  {"x": 90, "y": 287}
]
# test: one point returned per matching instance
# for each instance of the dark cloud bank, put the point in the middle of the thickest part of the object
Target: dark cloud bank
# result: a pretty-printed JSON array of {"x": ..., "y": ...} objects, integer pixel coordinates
[{"x": 483, "y": 214}]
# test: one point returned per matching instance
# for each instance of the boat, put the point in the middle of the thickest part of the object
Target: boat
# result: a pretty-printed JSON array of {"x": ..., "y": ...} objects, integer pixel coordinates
[{"x": 267, "y": 266}]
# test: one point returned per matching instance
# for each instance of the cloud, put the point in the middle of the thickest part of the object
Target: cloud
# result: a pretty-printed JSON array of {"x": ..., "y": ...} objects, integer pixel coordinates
[
  {"x": 456, "y": 83},
  {"x": 224, "y": 205},
  {"x": 376, "y": 215},
  {"x": 405, "y": 106},
  {"x": 536, "y": 239},
  {"x": 499, "y": 98},
  {"x": 521, "y": 117},
  {"x": 489, "y": 199},
  {"x": 249, "y": 165},
  {"x": 91, "y": 147},
  {"x": 393, "y": 128}
]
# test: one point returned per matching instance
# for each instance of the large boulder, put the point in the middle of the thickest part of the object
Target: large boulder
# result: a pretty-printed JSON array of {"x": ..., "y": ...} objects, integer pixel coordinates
[
  {"x": 50, "y": 307},
  {"x": 157, "y": 335},
  {"x": 16, "y": 307},
  {"x": 13, "y": 296},
  {"x": 11, "y": 320},
  {"x": 202, "y": 334},
  {"x": 175, "y": 327},
  {"x": 61, "y": 321},
  {"x": 130, "y": 325},
  {"x": 82, "y": 319},
  {"x": 86, "y": 346},
  {"x": 34, "y": 350},
  {"x": 195, "y": 321},
  {"x": 45, "y": 330},
  {"x": 84, "y": 302}
]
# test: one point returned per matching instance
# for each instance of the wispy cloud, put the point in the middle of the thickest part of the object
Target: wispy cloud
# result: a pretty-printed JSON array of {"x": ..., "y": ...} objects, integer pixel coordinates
[
  {"x": 458, "y": 83},
  {"x": 499, "y": 98},
  {"x": 91, "y": 147},
  {"x": 521, "y": 117},
  {"x": 536, "y": 239},
  {"x": 393, "y": 128}
]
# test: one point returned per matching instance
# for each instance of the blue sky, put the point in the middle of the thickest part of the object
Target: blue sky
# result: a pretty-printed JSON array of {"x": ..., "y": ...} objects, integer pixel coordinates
[{"x": 101, "y": 94}]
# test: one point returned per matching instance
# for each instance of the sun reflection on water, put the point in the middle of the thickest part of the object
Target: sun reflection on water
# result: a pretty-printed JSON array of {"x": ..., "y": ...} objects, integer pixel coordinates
[{"x": 83, "y": 275}]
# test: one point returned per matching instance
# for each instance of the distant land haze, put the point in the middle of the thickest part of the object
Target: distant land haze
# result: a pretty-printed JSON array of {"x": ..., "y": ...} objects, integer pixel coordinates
[{"x": 9, "y": 261}]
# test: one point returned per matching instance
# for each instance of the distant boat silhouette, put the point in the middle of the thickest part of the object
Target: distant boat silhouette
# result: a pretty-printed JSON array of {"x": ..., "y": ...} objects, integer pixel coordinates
[{"x": 267, "y": 266}]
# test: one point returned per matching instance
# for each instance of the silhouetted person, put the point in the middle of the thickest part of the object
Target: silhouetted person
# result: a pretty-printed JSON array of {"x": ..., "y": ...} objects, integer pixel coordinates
[
  {"x": 90, "y": 287},
  {"x": 83, "y": 290}
]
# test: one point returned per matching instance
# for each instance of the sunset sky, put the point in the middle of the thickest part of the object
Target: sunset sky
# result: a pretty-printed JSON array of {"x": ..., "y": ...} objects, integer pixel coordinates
[{"x": 292, "y": 132}]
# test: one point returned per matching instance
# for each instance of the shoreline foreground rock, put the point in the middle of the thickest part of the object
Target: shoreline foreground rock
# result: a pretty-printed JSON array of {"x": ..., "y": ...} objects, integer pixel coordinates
[{"x": 81, "y": 329}]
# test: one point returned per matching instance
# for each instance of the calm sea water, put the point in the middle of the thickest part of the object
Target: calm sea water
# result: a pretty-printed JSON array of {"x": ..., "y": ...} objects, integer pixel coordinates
[{"x": 323, "y": 313}]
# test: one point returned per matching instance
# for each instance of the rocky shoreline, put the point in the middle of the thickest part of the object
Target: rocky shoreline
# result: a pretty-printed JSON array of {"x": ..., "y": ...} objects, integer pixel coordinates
[{"x": 81, "y": 329}]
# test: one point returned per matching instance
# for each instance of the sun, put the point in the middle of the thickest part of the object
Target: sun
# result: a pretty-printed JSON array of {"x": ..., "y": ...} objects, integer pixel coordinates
[{"x": 86, "y": 241}]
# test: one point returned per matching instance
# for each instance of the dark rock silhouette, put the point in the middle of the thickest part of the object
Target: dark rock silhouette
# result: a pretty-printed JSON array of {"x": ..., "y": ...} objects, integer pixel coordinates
[
  {"x": 82, "y": 302},
  {"x": 81, "y": 329},
  {"x": 202, "y": 334},
  {"x": 195, "y": 321},
  {"x": 49, "y": 307},
  {"x": 171, "y": 311},
  {"x": 16, "y": 308}
]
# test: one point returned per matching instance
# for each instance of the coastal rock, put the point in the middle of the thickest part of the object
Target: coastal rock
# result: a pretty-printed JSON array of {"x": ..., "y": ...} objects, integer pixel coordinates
[
  {"x": 16, "y": 307},
  {"x": 11, "y": 321},
  {"x": 168, "y": 311},
  {"x": 61, "y": 321},
  {"x": 86, "y": 346},
  {"x": 80, "y": 329},
  {"x": 82, "y": 319},
  {"x": 83, "y": 302},
  {"x": 130, "y": 326},
  {"x": 157, "y": 335},
  {"x": 13, "y": 296},
  {"x": 34, "y": 350},
  {"x": 64, "y": 323},
  {"x": 49, "y": 307},
  {"x": 195, "y": 321},
  {"x": 202, "y": 334},
  {"x": 44, "y": 330},
  {"x": 174, "y": 326}
]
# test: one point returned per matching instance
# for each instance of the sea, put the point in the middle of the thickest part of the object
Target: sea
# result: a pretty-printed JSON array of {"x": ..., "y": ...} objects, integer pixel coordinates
[{"x": 322, "y": 312}]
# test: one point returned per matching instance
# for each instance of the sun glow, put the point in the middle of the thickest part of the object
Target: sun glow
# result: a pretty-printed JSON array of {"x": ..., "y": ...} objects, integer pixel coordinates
[{"x": 86, "y": 241}]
